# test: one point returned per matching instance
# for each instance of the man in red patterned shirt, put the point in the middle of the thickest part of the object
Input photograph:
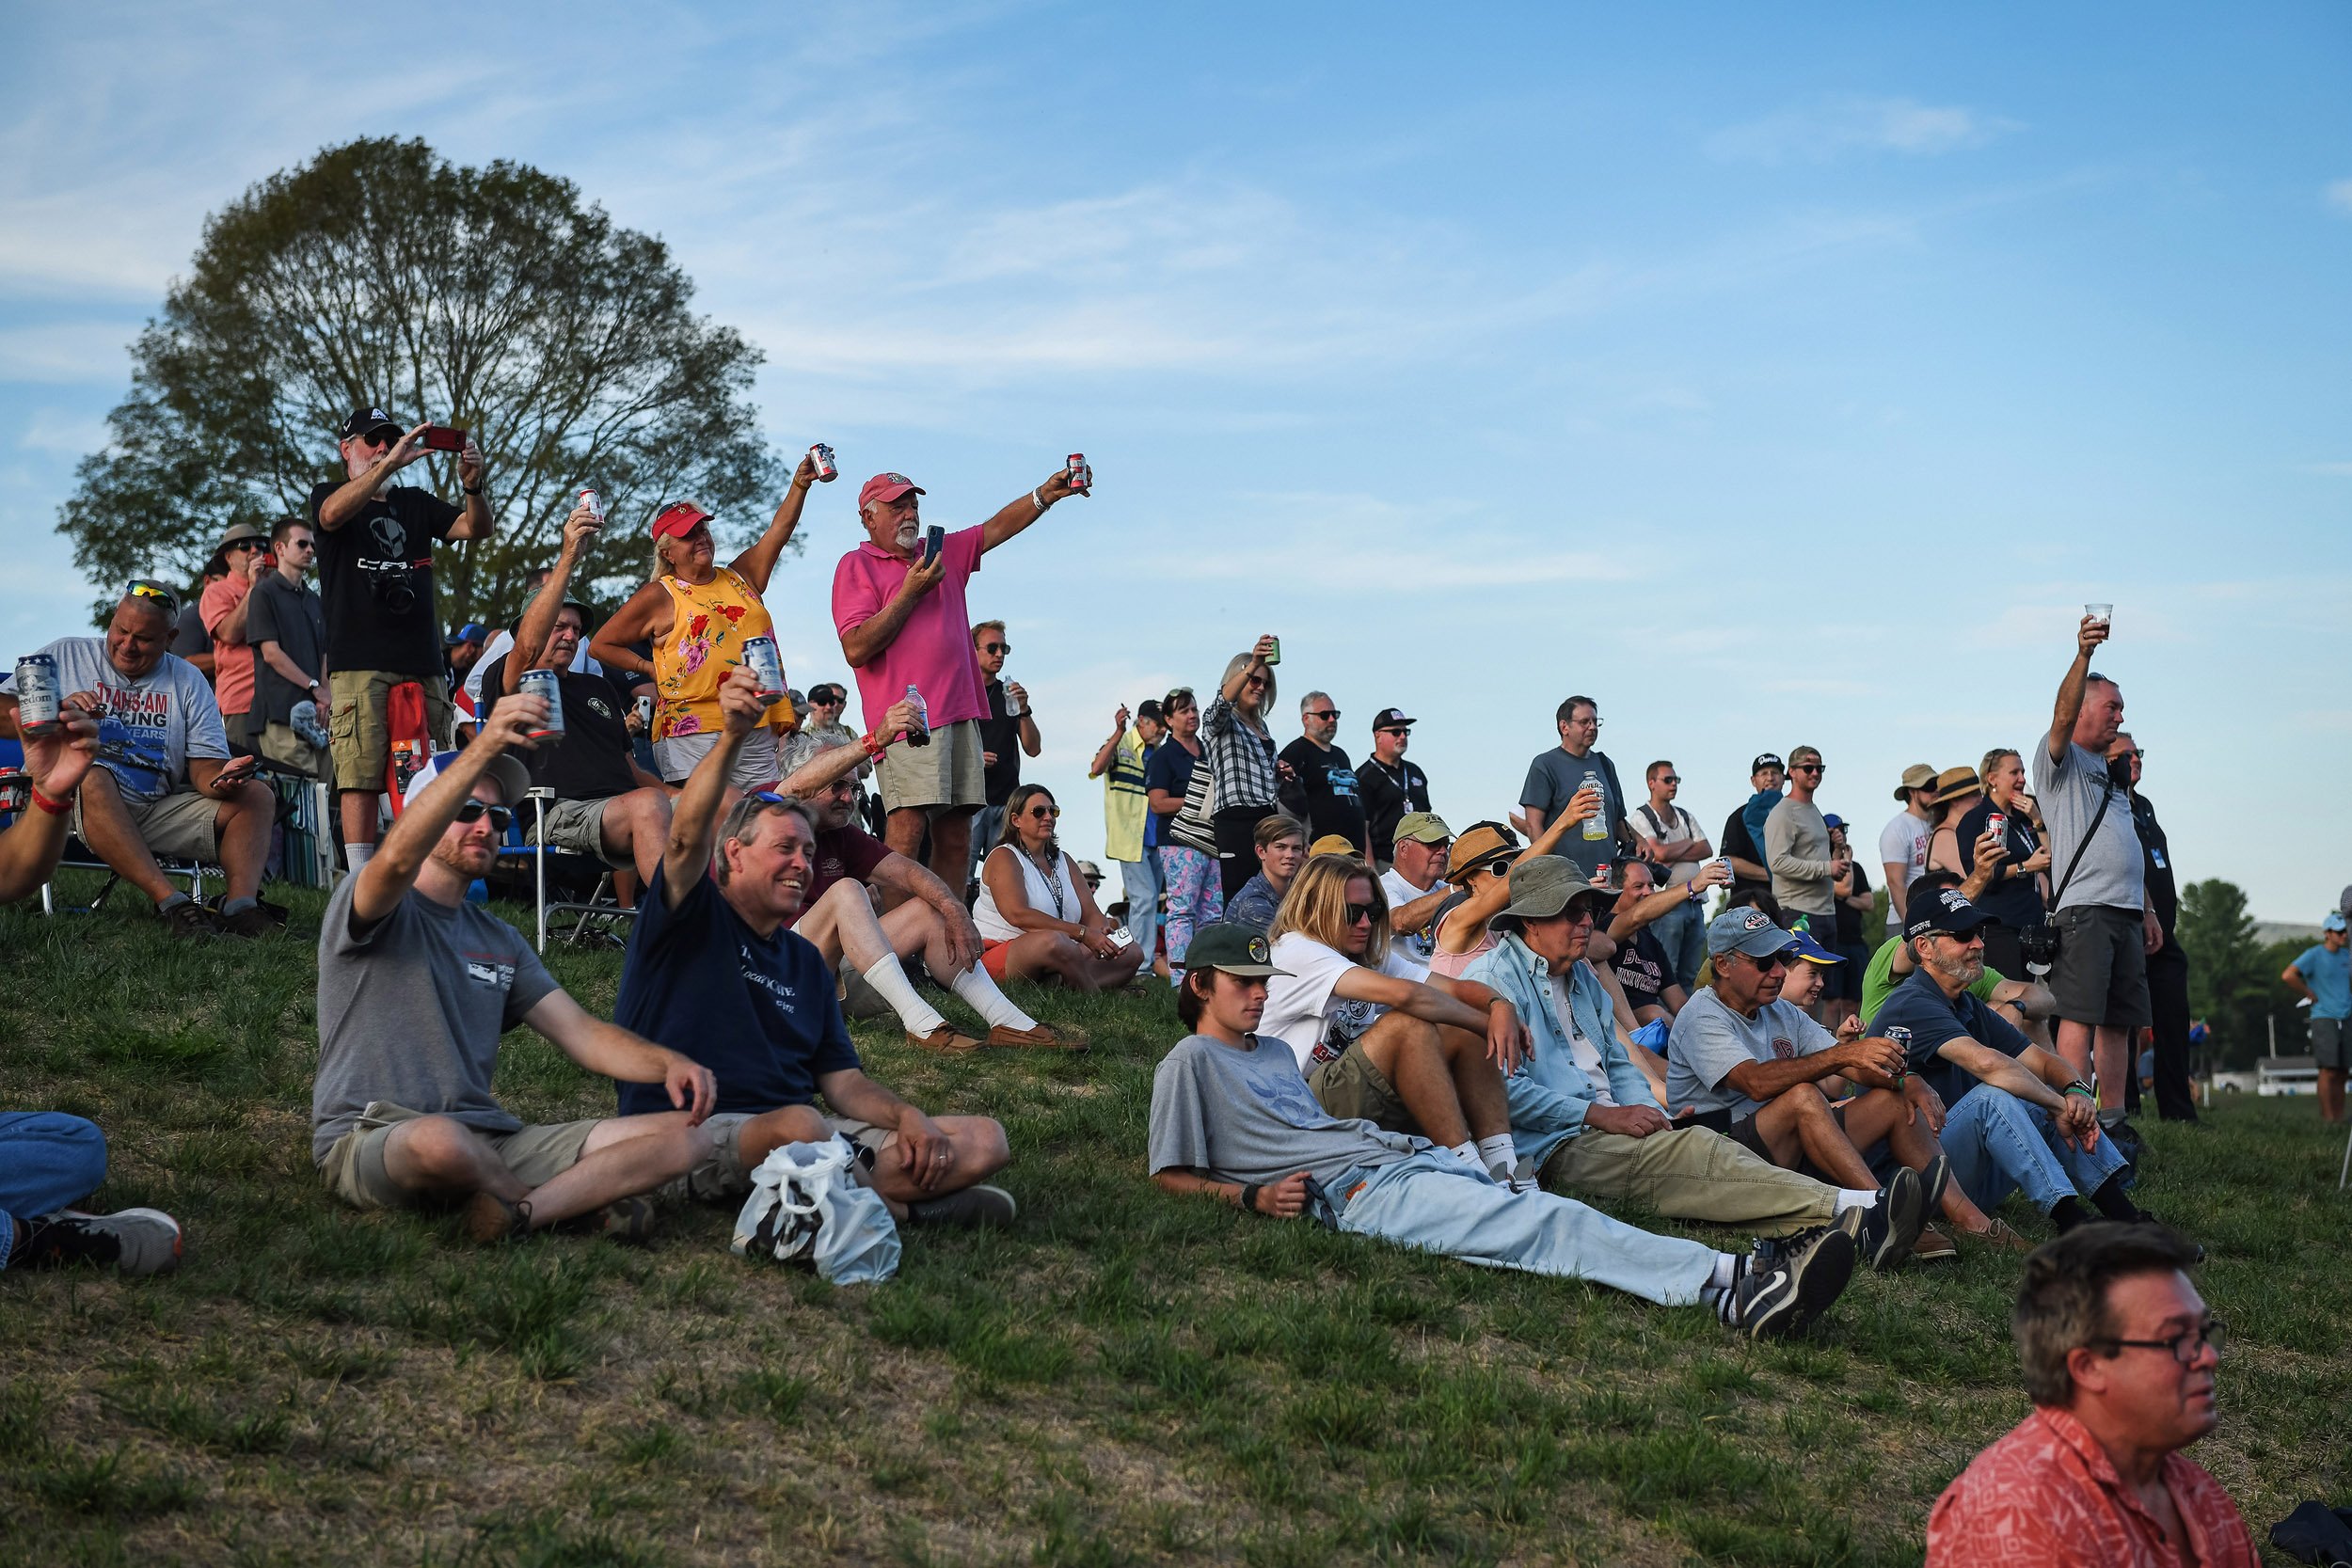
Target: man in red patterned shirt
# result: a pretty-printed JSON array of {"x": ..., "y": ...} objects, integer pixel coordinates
[{"x": 2119, "y": 1355}]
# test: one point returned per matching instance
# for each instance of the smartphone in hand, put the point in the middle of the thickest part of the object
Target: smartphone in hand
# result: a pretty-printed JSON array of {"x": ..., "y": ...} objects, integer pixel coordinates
[
  {"x": 442, "y": 437},
  {"x": 934, "y": 539}
]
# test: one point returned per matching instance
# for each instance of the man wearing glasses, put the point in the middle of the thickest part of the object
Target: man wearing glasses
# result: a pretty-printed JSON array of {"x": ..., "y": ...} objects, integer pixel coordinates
[
  {"x": 2015, "y": 1117},
  {"x": 1321, "y": 789},
  {"x": 165, "y": 783},
  {"x": 416, "y": 985},
  {"x": 376, "y": 574},
  {"x": 2120, "y": 1358},
  {"x": 1389, "y": 785},
  {"x": 1673, "y": 841},
  {"x": 286, "y": 624},
  {"x": 1008, "y": 730},
  {"x": 1555, "y": 776},
  {"x": 222, "y": 607},
  {"x": 1797, "y": 849}
]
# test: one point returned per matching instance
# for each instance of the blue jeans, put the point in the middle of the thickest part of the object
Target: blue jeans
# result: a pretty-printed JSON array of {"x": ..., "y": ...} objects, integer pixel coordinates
[
  {"x": 987, "y": 823},
  {"x": 2000, "y": 1145},
  {"x": 1141, "y": 880},
  {"x": 47, "y": 1160},
  {"x": 1682, "y": 936},
  {"x": 1434, "y": 1202}
]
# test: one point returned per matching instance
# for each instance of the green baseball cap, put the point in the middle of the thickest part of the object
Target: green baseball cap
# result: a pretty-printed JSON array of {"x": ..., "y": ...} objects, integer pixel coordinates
[
  {"x": 1543, "y": 885},
  {"x": 1423, "y": 827},
  {"x": 1233, "y": 949}
]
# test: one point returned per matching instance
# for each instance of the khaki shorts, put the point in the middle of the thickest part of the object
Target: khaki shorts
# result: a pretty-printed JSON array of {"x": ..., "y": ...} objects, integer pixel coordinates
[
  {"x": 579, "y": 827},
  {"x": 353, "y": 1167},
  {"x": 723, "y": 1176},
  {"x": 941, "y": 776},
  {"x": 184, "y": 825},
  {"x": 1352, "y": 1087},
  {"x": 755, "y": 765},
  {"x": 278, "y": 743},
  {"x": 361, "y": 745}
]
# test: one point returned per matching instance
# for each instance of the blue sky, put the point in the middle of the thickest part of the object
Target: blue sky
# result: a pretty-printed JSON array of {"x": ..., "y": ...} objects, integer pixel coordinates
[{"x": 1773, "y": 376}]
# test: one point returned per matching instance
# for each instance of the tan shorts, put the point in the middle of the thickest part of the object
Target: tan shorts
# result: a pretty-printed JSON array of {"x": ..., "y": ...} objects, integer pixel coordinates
[
  {"x": 361, "y": 745},
  {"x": 353, "y": 1167},
  {"x": 723, "y": 1176},
  {"x": 1352, "y": 1087},
  {"x": 755, "y": 765},
  {"x": 278, "y": 743},
  {"x": 579, "y": 827},
  {"x": 941, "y": 776},
  {"x": 184, "y": 825}
]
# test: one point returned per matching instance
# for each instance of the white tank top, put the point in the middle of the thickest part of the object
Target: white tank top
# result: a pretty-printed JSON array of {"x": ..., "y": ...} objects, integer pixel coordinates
[{"x": 1058, "y": 897}]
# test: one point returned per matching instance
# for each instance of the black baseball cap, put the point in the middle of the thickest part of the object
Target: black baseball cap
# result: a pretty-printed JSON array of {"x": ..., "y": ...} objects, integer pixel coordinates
[
  {"x": 366, "y": 422},
  {"x": 1766, "y": 760},
  {"x": 1235, "y": 949},
  {"x": 1390, "y": 718},
  {"x": 1928, "y": 908},
  {"x": 1149, "y": 708}
]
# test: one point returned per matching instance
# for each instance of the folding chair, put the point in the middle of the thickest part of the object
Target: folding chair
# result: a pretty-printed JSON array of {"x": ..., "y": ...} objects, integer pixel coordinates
[
  {"x": 16, "y": 797},
  {"x": 571, "y": 870}
]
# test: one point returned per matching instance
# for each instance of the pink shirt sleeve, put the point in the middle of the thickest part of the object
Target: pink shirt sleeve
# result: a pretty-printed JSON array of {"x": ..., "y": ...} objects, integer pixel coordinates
[{"x": 855, "y": 596}]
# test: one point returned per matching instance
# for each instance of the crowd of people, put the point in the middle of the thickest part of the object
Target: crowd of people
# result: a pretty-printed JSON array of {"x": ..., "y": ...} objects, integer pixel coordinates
[{"x": 1453, "y": 1041}]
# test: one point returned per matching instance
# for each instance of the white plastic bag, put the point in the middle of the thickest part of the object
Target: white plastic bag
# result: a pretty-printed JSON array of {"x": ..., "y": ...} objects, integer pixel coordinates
[{"x": 808, "y": 1207}]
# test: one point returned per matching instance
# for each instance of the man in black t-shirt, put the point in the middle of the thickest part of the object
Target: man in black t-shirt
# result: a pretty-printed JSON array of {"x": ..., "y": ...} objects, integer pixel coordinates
[
  {"x": 1321, "y": 788},
  {"x": 606, "y": 806},
  {"x": 1005, "y": 734},
  {"x": 287, "y": 627},
  {"x": 1389, "y": 785},
  {"x": 2168, "y": 966},
  {"x": 376, "y": 574}
]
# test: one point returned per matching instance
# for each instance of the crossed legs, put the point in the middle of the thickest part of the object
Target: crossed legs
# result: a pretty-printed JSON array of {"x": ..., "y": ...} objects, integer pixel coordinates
[
  {"x": 1444, "y": 1076},
  {"x": 439, "y": 1156}
]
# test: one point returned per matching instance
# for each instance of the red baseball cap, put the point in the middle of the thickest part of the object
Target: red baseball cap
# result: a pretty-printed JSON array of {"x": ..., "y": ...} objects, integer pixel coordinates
[
  {"x": 887, "y": 487},
  {"x": 678, "y": 519}
]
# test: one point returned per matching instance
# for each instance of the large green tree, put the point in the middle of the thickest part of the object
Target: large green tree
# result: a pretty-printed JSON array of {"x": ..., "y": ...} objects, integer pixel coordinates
[{"x": 492, "y": 298}]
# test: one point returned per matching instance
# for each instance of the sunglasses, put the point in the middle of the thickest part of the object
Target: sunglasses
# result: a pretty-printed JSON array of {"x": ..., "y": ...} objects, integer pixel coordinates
[
  {"x": 141, "y": 589},
  {"x": 1322, "y": 712},
  {"x": 995, "y": 647},
  {"x": 473, "y": 811},
  {"x": 242, "y": 545},
  {"x": 1255, "y": 680},
  {"x": 1776, "y": 960},
  {"x": 1357, "y": 913},
  {"x": 1808, "y": 768},
  {"x": 1669, "y": 778},
  {"x": 301, "y": 545},
  {"x": 1390, "y": 728},
  {"x": 1044, "y": 814}
]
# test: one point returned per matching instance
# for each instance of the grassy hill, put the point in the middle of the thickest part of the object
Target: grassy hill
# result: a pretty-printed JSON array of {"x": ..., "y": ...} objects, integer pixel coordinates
[{"x": 1124, "y": 1378}]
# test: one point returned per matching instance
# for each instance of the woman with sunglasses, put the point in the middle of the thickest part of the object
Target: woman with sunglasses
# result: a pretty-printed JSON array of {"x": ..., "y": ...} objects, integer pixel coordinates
[
  {"x": 1037, "y": 916},
  {"x": 1248, "y": 774},
  {"x": 1480, "y": 870},
  {"x": 2014, "y": 895}
]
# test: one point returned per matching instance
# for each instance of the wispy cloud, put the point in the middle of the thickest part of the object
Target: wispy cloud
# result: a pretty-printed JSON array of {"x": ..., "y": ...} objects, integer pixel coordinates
[
  {"x": 1830, "y": 127},
  {"x": 2339, "y": 196},
  {"x": 2337, "y": 471}
]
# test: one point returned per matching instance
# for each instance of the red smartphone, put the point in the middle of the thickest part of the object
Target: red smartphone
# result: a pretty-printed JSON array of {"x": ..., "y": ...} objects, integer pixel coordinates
[{"x": 443, "y": 438}]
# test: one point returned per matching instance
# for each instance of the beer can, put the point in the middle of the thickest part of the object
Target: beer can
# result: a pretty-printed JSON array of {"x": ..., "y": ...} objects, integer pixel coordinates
[
  {"x": 38, "y": 699},
  {"x": 594, "y": 504},
  {"x": 1900, "y": 1036},
  {"x": 827, "y": 470},
  {"x": 767, "y": 667},
  {"x": 919, "y": 732},
  {"x": 548, "y": 687},
  {"x": 1081, "y": 477},
  {"x": 1600, "y": 875},
  {"x": 1996, "y": 823}
]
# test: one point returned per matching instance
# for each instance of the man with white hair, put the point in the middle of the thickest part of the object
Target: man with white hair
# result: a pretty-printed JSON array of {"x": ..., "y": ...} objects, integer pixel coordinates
[{"x": 901, "y": 613}]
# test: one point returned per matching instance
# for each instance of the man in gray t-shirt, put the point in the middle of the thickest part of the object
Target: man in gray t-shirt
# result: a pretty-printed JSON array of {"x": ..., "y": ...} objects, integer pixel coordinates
[
  {"x": 2105, "y": 926},
  {"x": 1797, "y": 849},
  {"x": 1232, "y": 1118},
  {"x": 1554, "y": 777},
  {"x": 415, "y": 988}
]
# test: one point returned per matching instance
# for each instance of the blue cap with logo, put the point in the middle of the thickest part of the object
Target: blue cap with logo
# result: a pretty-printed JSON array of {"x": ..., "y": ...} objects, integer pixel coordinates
[
  {"x": 1747, "y": 930},
  {"x": 2335, "y": 922}
]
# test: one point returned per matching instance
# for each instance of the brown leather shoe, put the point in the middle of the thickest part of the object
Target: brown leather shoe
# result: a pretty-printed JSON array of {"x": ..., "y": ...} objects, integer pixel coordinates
[
  {"x": 1933, "y": 1247},
  {"x": 1039, "y": 1038},
  {"x": 2000, "y": 1237},
  {"x": 944, "y": 1039}
]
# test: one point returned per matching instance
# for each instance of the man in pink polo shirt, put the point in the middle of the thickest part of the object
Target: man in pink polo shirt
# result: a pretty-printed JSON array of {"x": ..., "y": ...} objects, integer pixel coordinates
[{"x": 903, "y": 624}]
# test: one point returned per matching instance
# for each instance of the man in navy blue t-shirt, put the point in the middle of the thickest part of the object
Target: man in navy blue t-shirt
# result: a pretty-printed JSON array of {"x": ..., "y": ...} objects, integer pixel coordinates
[
  {"x": 714, "y": 973},
  {"x": 2016, "y": 1116}
]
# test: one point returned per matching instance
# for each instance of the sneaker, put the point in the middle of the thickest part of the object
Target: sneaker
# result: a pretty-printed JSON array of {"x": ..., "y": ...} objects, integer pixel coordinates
[
  {"x": 1773, "y": 1252},
  {"x": 136, "y": 1242},
  {"x": 190, "y": 919},
  {"x": 1039, "y": 1038},
  {"x": 277, "y": 914},
  {"x": 629, "y": 1222},
  {"x": 1884, "y": 1233},
  {"x": 1771, "y": 1305},
  {"x": 1934, "y": 1179},
  {"x": 973, "y": 1208},
  {"x": 1933, "y": 1247},
  {"x": 490, "y": 1218},
  {"x": 946, "y": 1040},
  {"x": 253, "y": 922}
]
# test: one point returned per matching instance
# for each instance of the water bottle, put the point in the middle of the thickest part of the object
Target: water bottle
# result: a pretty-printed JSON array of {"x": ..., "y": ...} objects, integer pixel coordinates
[
  {"x": 1597, "y": 826},
  {"x": 919, "y": 734}
]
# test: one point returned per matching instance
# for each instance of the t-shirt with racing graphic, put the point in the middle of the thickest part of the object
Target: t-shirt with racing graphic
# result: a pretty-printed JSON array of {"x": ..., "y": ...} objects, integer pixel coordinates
[
  {"x": 151, "y": 726},
  {"x": 1710, "y": 1040},
  {"x": 375, "y": 576},
  {"x": 1301, "y": 1010},
  {"x": 411, "y": 1008},
  {"x": 759, "y": 1012}
]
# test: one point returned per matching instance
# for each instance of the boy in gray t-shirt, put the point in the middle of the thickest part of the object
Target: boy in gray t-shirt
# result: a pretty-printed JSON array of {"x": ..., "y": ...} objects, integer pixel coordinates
[
  {"x": 1232, "y": 1117},
  {"x": 415, "y": 988}
]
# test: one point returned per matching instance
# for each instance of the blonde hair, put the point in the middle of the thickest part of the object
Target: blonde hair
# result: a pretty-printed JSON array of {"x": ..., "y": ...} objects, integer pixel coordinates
[
  {"x": 1984, "y": 769},
  {"x": 1316, "y": 907},
  {"x": 1234, "y": 666}
]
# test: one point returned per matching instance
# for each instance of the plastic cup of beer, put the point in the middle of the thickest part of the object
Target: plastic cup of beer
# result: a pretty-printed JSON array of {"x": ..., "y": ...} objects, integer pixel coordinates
[{"x": 2103, "y": 614}]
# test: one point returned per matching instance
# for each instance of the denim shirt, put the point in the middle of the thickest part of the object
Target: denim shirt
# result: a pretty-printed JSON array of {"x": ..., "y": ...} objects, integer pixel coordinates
[{"x": 1549, "y": 1093}]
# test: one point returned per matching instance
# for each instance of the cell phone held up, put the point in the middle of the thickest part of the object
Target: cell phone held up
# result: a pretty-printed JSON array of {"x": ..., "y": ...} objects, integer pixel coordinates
[
  {"x": 444, "y": 437},
  {"x": 935, "y": 540}
]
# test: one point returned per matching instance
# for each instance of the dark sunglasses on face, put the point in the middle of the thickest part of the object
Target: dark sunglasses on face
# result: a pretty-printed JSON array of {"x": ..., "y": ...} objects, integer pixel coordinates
[
  {"x": 1359, "y": 912},
  {"x": 1808, "y": 768},
  {"x": 1044, "y": 814},
  {"x": 473, "y": 810},
  {"x": 1669, "y": 778},
  {"x": 1392, "y": 729},
  {"x": 244, "y": 545},
  {"x": 1323, "y": 713},
  {"x": 1766, "y": 965},
  {"x": 995, "y": 647}
]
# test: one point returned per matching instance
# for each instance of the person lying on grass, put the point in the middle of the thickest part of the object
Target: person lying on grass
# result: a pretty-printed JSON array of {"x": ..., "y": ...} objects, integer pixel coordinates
[
  {"x": 416, "y": 985},
  {"x": 1232, "y": 1118},
  {"x": 714, "y": 970}
]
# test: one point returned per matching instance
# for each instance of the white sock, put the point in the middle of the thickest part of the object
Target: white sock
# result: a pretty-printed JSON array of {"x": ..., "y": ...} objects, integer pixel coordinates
[
  {"x": 1497, "y": 1155},
  {"x": 975, "y": 986},
  {"x": 1726, "y": 1272},
  {"x": 357, "y": 855},
  {"x": 890, "y": 982},
  {"x": 1468, "y": 1154},
  {"x": 1856, "y": 1197}
]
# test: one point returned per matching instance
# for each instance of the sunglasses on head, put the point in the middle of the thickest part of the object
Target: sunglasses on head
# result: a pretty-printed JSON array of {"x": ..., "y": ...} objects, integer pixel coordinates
[
  {"x": 473, "y": 810},
  {"x": 141, "y": 589}
]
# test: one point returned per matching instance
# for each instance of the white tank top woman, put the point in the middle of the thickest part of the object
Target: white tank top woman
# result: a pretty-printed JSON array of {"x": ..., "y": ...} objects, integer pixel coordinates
[{"x": 1057, "y": 897}]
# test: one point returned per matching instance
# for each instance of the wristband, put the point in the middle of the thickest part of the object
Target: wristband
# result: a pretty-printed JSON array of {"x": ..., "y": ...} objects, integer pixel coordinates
[
  {"x": 54, "y": 808},
  {"x": 473, "y": 489},
  {"x": 2078, "y": 1087},
  {"x": 1040, "y": 499},
  {"x": 873, "y": 748},
  {"x": 1249, "y": 1191}
]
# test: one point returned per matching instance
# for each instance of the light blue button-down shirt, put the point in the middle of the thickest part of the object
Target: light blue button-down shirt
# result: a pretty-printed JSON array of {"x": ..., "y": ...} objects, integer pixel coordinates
[{"x": 1549, "y": 1093}]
